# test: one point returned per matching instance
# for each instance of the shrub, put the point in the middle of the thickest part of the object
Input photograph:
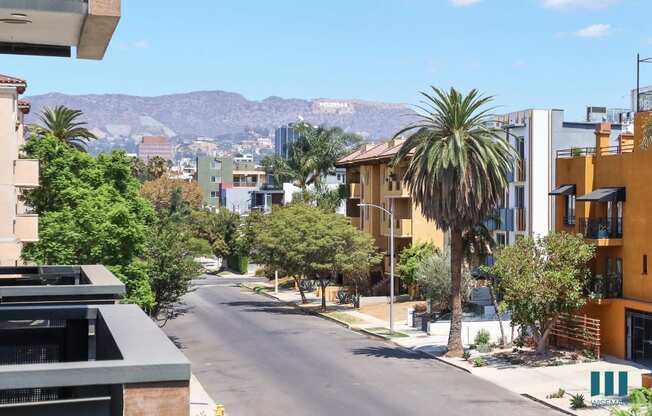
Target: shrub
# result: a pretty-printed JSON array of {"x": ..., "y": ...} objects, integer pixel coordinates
[
  {"x": 577, "y": 401},
  {"x": 482, "y": 337},
  {"x": 420, "y": 307},
  {"x": 466, "y": 355},
  {"x": 557, "y": 394},
  {"x": 479, "y": 362},
  {"x": 641, "y": 396},
  {"x": 343, "y": 297},
  {"x": 484, "y": 348}
]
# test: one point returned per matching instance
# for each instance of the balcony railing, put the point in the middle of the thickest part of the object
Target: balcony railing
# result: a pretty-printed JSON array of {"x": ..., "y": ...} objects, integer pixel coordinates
[
  {"x": 402, "y": 227},
  {"x": 616, "y": 150},
  {"x": 600, "y": 228},
  {"x": 569, "y": 220},
  {"x": 575, "y": 152},
  {"x": 606, "y": 286}
]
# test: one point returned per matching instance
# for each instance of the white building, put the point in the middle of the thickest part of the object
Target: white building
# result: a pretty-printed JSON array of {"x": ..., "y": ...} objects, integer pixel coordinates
[{"x": 536, "y": 135}]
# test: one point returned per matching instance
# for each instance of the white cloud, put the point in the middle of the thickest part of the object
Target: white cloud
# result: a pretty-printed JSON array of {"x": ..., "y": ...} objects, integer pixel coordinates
[
  {"x": 141, "y": 44},
  {"x": 581, "y": 4},
  {"x": 594, "y": 31},
  {"x": 464, "y": 3}
]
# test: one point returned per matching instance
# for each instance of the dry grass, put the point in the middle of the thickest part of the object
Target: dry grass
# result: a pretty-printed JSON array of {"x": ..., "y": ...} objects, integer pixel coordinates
[
  {"x": 381, "y": 310},
  {"x": 345, "y": 317}
]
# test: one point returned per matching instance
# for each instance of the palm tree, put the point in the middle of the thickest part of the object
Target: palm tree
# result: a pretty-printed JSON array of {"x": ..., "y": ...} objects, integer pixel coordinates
[
  {"x": 157, "y": 167},
  {"x": 312, "y": 155},
  {"x": 457, "y": 172},
  {"x": 63, "y": 123}
]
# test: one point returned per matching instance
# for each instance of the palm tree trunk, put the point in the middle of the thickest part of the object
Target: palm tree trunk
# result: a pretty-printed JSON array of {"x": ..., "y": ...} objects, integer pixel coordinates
[{"x": 455, "y": 347}]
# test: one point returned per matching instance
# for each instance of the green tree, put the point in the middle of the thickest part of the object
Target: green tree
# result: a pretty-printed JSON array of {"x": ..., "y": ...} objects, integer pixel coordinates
[
  {"x": 457, "y": 172},
  {"x": 432, "y": 273},
  {"x": 63, "y": 123},
  {"x": 312, "y": 155},
  {"x": 321, "y": 197},
  {"x": 90, "y": 213},
  {"x": 303, "y": 240},
  {"x": 543, "y": 278},
  {"x": 169, "y": 254},
  {"x": 409, "y": 260}
]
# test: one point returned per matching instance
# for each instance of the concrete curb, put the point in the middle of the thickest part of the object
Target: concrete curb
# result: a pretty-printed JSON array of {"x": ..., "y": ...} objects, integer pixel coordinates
[{"x": 550, "y": 405}]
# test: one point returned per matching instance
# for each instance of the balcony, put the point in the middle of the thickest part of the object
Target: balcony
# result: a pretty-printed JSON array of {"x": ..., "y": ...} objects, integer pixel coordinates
[
  {"x": 501, "y": 220},
  {"x": 355, "y": 190},
  {"x": 601, "y": 228},
  {"x": 402, "y": 228},
  {"x": 26, "y": 227},
  {"x": 608, "y": 286},
  {"x": 396, "y": 188},
  {"x": 26, "y": 173}
]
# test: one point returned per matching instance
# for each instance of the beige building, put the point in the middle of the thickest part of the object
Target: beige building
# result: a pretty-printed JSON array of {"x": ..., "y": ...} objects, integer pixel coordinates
[
  {"x": 17, "y": 224},
  {"x": 372, "y": 180}
]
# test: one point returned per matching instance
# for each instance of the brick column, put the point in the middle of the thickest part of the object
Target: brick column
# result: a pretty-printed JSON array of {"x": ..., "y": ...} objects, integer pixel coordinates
[{"x": 160, "y": 399}]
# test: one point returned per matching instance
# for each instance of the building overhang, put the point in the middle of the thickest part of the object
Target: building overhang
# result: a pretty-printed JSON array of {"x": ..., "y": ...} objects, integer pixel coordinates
[
  {"x": 53, "y": 28},
  {"x": 604, "y": 195},
  {"x": 563, "y": 190}
]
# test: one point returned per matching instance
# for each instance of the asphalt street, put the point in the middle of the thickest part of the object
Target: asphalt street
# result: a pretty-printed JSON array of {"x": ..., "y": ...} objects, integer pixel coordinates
[{"x": 259, "y": 357}]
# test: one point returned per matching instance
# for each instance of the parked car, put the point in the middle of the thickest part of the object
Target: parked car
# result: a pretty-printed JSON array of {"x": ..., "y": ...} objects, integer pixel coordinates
[{"x": 211, "y": 264}]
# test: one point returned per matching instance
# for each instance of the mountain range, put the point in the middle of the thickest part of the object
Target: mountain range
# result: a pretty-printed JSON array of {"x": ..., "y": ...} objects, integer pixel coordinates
[{"x": 220, "y": 113}]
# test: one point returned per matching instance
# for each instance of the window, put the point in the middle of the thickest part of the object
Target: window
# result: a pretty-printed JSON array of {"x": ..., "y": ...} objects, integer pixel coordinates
[
  {"x": 519, "y": 197},
  {"x": 501, "y": 240},
  {"x": 644, "y": 263},
  {"x": 520, "y": 147},
  {"x": 215, "y": 194},
  {"x": 216, "y": 164},
  {"x": 215, "y": 179},
  {"x": 569, "y": 215}
]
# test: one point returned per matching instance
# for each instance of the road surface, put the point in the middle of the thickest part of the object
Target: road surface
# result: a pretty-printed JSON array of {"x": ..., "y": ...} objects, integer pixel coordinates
[{"x": 259, "y": 357}]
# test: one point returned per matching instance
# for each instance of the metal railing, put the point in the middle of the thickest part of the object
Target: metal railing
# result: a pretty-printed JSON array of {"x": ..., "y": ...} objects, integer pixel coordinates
[
  {"x": 569, "y": 220},
  {"x": 575, "y": 152},
  {"x": 606, "y": 286},
  {"x": 598, "y": 228},
  {"x": 616, "y": 150}
]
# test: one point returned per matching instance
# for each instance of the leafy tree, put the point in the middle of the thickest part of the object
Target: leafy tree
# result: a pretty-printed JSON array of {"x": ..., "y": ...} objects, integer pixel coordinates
[
  {"x": 646, "y": 139},
  {"x": 543, "y": 278},
  {"x": 321, "y": 197},
  {"x": 63, "y": 123},
  {"x": 160, "y": 191},
  {"x": 312, "y": 155},
  {"x": 432, "y": 273},
  {"x": 409, "y": 260},
  {"x": 169, "y": 253},
  {"x": 457, "y": 172},
  {"x": 302, "y": 240},
  {"x": 90, "y": 213},
  {"x": 157, "y": 167},
  {"x": 139, "y": 169}
]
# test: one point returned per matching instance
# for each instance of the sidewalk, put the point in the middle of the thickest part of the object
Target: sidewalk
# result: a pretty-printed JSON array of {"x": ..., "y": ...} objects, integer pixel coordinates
[
  {"x": 201, "y": 403},
  {"x": 532, "y": 382}
]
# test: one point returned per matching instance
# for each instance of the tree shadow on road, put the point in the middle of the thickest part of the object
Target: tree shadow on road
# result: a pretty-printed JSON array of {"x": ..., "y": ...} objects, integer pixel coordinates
[
  {"x": 266, "y": 306},
  {"x": 390, "y": 352},
  {"x": 177, "y": 342}
]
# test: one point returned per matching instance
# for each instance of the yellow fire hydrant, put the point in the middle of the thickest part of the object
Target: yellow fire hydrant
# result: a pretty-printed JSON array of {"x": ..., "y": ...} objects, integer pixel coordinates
[{"x": 219, "y": 410}]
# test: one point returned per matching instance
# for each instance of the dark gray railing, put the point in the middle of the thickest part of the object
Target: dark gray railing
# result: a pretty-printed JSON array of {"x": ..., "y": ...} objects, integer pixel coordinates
[
  {"x": 597, "y": 228},
  {"x": 606, "y": 286}
]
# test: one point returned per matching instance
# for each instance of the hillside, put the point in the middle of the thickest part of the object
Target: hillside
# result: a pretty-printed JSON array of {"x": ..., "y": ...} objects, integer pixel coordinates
[{"x": 218, "y": 113}]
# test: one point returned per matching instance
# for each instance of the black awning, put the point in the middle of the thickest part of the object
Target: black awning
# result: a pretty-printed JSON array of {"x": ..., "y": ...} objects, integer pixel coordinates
[
  {"x": 603, "y": 195},
  {"x": 563, "y": 190}
]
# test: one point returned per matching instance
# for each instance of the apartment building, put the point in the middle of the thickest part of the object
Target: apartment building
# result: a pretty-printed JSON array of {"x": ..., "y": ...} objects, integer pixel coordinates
[
  {"x": 537, "y": 135},
  {"x": 371, "y": 180},
  {"x": 151, "y": 146},
  {"x": 284, "y": 136},
  {"x": 18, "y": 225},
  {"x": 603, "y": 192},
  {"x": 214, "y": 175}
]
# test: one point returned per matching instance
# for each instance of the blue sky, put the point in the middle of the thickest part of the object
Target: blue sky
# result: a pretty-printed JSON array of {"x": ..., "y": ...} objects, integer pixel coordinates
[{"x": 528, "y": 53}]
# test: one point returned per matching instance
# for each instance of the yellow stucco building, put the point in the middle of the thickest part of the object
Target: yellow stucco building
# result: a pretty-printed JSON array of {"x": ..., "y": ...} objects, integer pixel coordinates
[
  {"x": 371, "y": 180},
  {"x": 605, "y": 193}
]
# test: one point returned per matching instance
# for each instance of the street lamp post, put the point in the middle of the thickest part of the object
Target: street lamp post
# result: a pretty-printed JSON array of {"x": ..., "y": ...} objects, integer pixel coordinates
[{"x": 391, "y": 263}]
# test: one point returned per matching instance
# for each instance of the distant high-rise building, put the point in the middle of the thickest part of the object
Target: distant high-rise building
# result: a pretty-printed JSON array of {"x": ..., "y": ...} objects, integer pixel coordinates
[
  {"x": 151, "y": 146},
  {"x": 604, "y": 114},
  {"x": 283, "y": 138}
]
